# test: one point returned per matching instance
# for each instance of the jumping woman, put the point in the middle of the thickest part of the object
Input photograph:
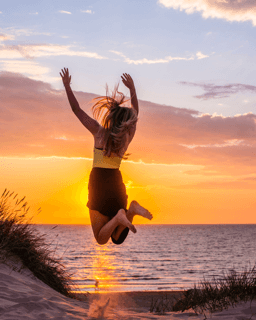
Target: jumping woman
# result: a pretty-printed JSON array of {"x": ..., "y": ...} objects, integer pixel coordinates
[{"x": 107, "y": 193}]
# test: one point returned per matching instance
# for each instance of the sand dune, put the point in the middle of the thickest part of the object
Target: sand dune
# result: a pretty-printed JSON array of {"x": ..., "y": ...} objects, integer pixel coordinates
[{"x": 22, "y": 296}]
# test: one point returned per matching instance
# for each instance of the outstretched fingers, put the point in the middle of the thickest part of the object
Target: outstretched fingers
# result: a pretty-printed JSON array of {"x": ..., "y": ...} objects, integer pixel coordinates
[
  {"x": 127, "y": 80},
  {"x": 126, "y": 76},
  {"x": 66, "y": 78}
]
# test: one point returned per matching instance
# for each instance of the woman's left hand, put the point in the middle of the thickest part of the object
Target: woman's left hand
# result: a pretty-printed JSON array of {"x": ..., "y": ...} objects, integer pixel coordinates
[
  {"x": 66, "y": 78},
  {"x": 127, "y": 81}
]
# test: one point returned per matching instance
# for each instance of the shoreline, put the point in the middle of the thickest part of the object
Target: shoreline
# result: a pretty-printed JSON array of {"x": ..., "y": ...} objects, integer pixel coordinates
[
  {"x": 141, "y": 298},
  {"x": 25, "y": 297},
  {"x": 127, "y": 292}
]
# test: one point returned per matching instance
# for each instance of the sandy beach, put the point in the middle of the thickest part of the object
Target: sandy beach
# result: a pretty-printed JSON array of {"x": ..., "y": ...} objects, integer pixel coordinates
[{"x": 22, "y": 296}]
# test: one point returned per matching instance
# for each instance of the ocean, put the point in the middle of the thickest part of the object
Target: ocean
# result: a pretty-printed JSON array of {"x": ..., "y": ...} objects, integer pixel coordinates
[{"x": 157, "y": 257}]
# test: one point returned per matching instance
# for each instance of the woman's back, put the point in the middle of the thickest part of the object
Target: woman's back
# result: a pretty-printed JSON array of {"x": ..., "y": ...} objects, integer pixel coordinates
[{"x": 98, "y": 143}]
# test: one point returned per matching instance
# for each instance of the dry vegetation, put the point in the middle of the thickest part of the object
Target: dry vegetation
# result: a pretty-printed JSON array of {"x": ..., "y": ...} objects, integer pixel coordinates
[
  {"x": 19, "y": 239},
  {"x": 214, "y": 295},
  {"x": 220, "y": 293}
]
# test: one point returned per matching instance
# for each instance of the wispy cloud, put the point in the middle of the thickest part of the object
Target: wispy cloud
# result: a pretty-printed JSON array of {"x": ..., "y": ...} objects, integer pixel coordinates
[
  {"x": 87, "y": 11},
  {"x": 200, "y": 55},
  {"x": 19, "y": 58},
  {"x": 16, "y": 32},
  {"x": 252, "y": 178},
  {"x": 230, "y": 10},
  {"x": 167, "y": 59},
  {"x": 66, "y": 12},
  {"x": 227, "y": 143},
  {"x": 36, "y": 51},
  {"x": 6, "y": 37},
  {"x": 118, "y": 53},
  {"x": 217, "y": 92},
  {"x": 25, "y": 67},
  {"x": 224, "y": 185},
  {"x": 61, "y": 138},
  {"x": 36, "y": 13}
]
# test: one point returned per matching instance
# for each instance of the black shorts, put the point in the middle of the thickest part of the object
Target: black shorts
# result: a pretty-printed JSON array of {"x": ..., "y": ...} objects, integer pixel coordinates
[{"x": 107, "y": 194}]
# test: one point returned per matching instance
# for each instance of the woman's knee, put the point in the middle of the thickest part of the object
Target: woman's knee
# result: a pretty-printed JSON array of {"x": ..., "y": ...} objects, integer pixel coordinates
[{"x": 100, "y": 241}]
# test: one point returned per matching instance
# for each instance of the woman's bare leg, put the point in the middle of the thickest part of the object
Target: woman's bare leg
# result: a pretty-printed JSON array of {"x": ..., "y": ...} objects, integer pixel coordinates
[
  {"x": 103, "y": 228},
  {"x": 134, "y": 209}
]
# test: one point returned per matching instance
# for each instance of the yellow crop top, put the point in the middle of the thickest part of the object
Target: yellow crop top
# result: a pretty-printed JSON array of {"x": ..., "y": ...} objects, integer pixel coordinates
[{"x": 101, "y": 161}]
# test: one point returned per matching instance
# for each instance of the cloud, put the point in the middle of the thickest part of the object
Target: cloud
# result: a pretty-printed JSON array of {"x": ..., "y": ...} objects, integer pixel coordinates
[
  {"x": 167, "y": 59},
  {"x": 217, "y": 92},
  {"x": 4, "y": 37},
  {"x": 19, "y": 58},
  {"x": 185, "y": 126},
  {"x": 28, "y": 112},
  {"x": 41, "y": 50},
  {"x": 224, "y": 185},
  {"x": 25, "y": 67},
  {"x": 230, "y": 10},
  {"x": 227, "y": 143},
  {"x": 66, "y": 12},
  {"x": 165, "y": 134},
  {"x": 23, "y": 32},
  {"x": 200, "y": 55},
  {"x": 249, "y": 179},
  {"x": 118, "y": 53},
  {"x": 87, "y": 11}
]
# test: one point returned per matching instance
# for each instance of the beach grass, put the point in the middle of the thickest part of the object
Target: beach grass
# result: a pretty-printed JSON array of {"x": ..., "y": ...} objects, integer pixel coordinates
[
  {"x": 220, "y": 293},
  {"x": 19, "y": 239}
]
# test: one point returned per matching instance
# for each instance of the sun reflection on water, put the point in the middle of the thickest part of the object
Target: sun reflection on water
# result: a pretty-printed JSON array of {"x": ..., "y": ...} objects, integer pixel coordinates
[{"x": 103, "y": 268}]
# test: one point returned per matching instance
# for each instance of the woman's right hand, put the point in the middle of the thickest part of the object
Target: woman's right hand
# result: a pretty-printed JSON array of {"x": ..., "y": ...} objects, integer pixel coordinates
[
  {"x": 66, "y": 78},
  {"x": 127, "y": 81}
]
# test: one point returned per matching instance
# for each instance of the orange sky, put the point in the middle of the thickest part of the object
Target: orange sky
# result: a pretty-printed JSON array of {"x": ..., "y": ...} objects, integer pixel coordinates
[{"x": 185, "y": 166}]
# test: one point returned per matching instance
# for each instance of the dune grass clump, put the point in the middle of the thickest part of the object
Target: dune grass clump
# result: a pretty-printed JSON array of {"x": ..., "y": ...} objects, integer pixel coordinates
[
  {"x": 220, "y": 293},
  {"x": 19, "y": 238}
]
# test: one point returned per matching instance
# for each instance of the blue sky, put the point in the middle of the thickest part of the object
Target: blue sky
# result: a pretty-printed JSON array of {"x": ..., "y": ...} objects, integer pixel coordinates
[
  {"x": 194, "y": 59},
  {"x": 170, "y": 53}
]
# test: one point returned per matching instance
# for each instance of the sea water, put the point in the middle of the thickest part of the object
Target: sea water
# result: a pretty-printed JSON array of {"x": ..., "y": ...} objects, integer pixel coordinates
[{"x": 157, "y": 257}]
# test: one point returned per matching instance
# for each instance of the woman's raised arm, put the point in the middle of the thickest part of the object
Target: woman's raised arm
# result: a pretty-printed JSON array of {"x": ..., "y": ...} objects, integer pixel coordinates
[
  {"x": 91, "y": 124},
  {"x": 128, "y": 82}
]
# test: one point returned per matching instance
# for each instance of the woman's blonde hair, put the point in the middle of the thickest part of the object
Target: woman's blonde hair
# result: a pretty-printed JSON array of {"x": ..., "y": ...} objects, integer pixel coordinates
[{"x": 117, "y": 121}]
